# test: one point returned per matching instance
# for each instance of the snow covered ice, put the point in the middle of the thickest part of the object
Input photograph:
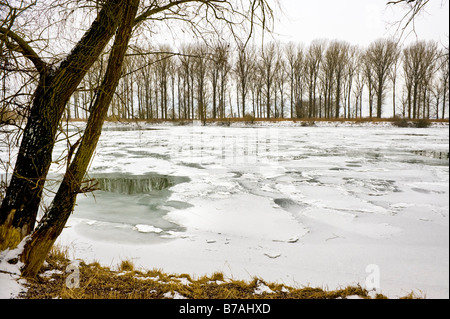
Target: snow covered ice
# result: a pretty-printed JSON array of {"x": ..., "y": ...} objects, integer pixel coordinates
[{"x": 296, "y": 205}]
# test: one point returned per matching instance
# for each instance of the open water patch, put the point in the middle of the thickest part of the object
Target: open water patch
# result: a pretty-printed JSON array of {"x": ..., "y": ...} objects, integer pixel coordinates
[
  {"x": 137, "y": 184},
  {"x": 290, "y": 205},
  {"x": 442, "y": 155},
  {"x": 131, "y": 208}
]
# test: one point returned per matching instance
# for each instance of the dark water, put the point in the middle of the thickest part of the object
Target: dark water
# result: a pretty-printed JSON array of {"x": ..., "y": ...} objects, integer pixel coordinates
[
  {"x": 433, "y": 154},
  {"x": 137, "y": 184},
  {"x": 126, "y": 201}
]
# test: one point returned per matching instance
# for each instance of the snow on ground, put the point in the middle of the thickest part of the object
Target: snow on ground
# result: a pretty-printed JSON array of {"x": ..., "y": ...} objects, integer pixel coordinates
[
  {"x": 297, "y": 205},
  {"x": 11, "y": 285}
]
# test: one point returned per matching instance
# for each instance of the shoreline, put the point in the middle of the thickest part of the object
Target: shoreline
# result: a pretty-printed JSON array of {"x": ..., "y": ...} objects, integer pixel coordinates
[{"x": 253, "y": 122}]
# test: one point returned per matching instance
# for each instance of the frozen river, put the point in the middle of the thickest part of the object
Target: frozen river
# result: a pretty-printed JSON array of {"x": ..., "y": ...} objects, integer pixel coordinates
[{"x": 320, "y": 206}]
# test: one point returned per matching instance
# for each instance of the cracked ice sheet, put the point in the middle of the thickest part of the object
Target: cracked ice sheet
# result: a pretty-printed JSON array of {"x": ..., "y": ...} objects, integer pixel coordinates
[
  {"x": 241, "y": 216},
  {"x": 353, "y": 196}
]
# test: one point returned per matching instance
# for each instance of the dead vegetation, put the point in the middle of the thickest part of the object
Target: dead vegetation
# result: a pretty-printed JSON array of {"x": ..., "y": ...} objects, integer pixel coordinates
[{"x": 98, "y": 282}]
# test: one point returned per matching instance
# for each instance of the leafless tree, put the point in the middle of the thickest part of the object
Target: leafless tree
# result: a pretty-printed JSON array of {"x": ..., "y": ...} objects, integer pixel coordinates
[
  {"x": 224, "y": 66},
  {"x": 419, "y": 65},
  {"x": 295, "y": 61},
  {"x": 351, "y": 70},
  {"x": 280, "y": 81},
  {"x": 369, "y": 79},
  {"x": 358, "y": 87},
  {"x": 243, "y": 70},
  {"x": 313, "y": 60},
  {"x": 443, "y": 80},
  {"x": 200, "y": 71},
  {"x": 381, "y": 56},
  {"x": 267, "y": 69},
  {"x": 257, "y": 85},
  {"x": 393, "y": 77},
  {"x": 332, "y": 76},
  {"x": 341, "y": 50},
  {"x": 57, "y": 82}
]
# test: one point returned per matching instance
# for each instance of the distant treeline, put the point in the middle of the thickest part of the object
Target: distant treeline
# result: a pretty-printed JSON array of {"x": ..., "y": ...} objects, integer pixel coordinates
[{"x": 326, "y": 79}]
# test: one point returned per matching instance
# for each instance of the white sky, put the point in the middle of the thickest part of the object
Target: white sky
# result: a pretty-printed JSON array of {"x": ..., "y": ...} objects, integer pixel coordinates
[{"x": 355, "y": 21}]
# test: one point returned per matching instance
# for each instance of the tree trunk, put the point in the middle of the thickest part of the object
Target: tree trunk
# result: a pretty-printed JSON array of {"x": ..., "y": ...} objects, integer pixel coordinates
[
  {"x": 393, "y": 98},
  {"x": 53, "y": 222},
  {"x": 338, "y": 98},
  {"x": 379, "y": 98}
]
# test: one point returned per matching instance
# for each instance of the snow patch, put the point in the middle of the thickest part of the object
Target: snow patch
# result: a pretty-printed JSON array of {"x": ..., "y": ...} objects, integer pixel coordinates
[
  {"x": 11, "y": 284},
  {"x": 262, "y": 288},
  {"x": 148, "y": 229},
  {"x": 173, "y": 295}
]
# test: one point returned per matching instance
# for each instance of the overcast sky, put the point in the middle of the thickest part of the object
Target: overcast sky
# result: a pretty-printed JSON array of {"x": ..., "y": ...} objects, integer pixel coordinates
[{"x": 355, "y": 21}]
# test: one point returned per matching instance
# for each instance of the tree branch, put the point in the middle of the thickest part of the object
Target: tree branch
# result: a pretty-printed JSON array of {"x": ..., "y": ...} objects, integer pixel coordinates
[
  {"x": 24, "y": 48},
  {"x": 154, "y": 10},
  {"x": 414, "y": 7}
]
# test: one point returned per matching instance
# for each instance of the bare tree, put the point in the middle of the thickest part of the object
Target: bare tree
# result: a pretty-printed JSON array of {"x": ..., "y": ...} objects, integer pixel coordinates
[
  {"x": 350, "y": 73},
  {"x": 162, "y": 68},
  {"x": 54, "y": 220},
  {"x": 359, "y": 85},
  {"x": 393, "y": 77},
  {"x": 419, "y": 65},
  {"x": 267, "y": 67},
  {"x": 200, "y": 71},
  {"x": 313, "y": 60},
  {"x": 294, "y": 57},
  {"x": 369, "y": 79},
  {"x": 56, "y": 85},
  {"x": 280, "y": 80},
  {"x": 443, "y": 79},
  {"x": 243, "y": 70},
  {"x": 224, "y": 66},
  {"x": 381, "y": 56},
  {"x": 340, "y": 50},
  {"x": 214, "y": 79},
  {"x": 332, "y": 75},
  {"x": 187, "y": 79},
  {"x": 257, "y": 88}
]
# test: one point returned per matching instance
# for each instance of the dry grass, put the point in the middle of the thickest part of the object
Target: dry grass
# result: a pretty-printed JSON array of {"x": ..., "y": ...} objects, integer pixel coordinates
[
  {"x": 98, "y": 282},
  {"x": 9, "y": 237}
]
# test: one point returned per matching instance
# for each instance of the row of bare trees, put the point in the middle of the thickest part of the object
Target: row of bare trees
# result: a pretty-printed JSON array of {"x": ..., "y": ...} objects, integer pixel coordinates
[{"x": 327, "y": 79}]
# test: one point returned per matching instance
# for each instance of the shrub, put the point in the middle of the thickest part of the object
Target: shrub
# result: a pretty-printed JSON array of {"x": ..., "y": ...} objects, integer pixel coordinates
[
  {"x": 224, "y": 122},
  {"x": 308, "y": 123},
  {"x": 423, "y": 123},
  {"x": 249, "y": 119},
  {"x": 400, "y": 122}
]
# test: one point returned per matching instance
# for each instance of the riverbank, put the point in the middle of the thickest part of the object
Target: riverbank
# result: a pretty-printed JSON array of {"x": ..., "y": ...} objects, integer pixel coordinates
[{"x": 61, "y": 278}]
